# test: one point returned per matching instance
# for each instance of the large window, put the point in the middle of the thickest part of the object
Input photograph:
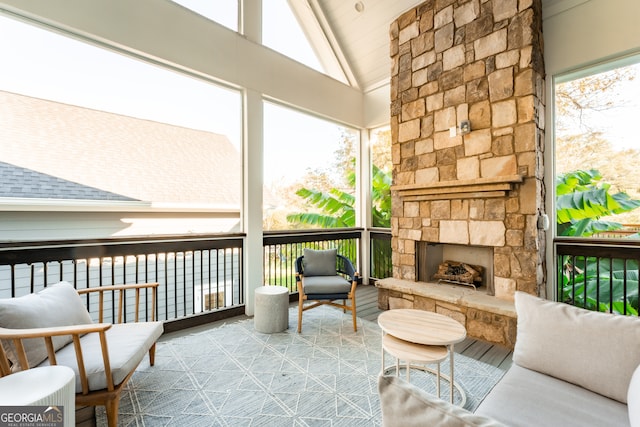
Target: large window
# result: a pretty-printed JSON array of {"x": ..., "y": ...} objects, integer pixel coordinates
[
  {"x": 293, "y": 29},
  {"x": 86, "y": 125},
  {"x": 282, "y": 33},
  {"x": 309, "y": 171},
  {"x": 381, "y": 169},
  {"x": 223, "y": 12},
  {"x": 597, "y": 151}
]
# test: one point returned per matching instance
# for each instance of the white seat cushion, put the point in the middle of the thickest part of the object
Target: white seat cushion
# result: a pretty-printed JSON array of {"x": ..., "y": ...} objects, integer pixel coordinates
[
  {"x": 326, "y": 285},
  {"x": 528, "y": 398},
  {"x": 127, "y": 343}
]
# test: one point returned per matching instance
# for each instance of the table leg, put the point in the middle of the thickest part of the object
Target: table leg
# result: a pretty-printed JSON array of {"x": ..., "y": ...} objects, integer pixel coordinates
[
  {"x": 382, "y": 354},
  {"x": 451, "y": 371},
  {"x": 438, "y": 379}
]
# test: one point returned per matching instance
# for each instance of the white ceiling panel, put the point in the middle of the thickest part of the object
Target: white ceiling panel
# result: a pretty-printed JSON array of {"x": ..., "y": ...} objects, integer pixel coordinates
[{"x": 364, "y": 36}]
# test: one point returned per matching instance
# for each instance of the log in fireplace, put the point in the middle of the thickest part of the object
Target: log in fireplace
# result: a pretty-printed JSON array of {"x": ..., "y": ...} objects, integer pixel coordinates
[{"x": 459, "y": 273}]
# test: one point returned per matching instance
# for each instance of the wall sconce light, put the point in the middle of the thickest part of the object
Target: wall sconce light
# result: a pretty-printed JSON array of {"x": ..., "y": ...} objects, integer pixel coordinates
[{"x": 465, "y": 127}]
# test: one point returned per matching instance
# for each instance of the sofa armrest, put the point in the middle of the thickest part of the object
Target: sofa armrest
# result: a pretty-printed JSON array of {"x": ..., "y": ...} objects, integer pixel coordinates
[
  {"x": 121, "y": 289},
  {"x": 404, "y": 404}
]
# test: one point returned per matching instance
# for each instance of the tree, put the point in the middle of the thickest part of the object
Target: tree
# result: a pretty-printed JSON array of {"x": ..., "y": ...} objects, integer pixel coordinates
[
  {"x": 584, "y": 138},
  {"x": 335, "y": 208},
  {"x": 577, "y": 100}
]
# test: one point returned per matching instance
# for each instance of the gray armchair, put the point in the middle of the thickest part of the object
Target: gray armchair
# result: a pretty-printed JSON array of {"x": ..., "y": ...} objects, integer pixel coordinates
[{"x": 324, "y": 277}]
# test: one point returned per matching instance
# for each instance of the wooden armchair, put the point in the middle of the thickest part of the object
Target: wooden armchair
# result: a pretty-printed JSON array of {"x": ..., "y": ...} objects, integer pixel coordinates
[
  {"x": 324, "y": 276},
  {"x": 53, "y": 327}
]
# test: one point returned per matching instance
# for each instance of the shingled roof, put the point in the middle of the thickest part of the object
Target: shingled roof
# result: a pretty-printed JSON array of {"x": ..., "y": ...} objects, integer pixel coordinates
[
  {"x": 88, "y": 153},
  {"x": 25, "y": 183}
]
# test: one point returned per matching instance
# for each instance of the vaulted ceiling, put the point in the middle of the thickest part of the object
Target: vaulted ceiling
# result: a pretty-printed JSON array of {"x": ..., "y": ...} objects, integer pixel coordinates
[
  {"x": 358, "y": 33},
  {"x": 360, "y": 29}
]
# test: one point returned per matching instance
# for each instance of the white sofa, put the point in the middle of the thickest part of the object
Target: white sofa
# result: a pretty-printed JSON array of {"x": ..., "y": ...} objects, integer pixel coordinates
[{"x": 571, "y": 367}]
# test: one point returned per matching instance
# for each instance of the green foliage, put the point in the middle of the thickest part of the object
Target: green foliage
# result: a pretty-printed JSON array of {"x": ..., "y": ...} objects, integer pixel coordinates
[
  {"x": 335, "y": 208},
  {"x": 582, "y": 199},
  {"x": 603, "y": 284},
  {"x": 600, "y": 284},
  {"x": 381, "y": 198}
]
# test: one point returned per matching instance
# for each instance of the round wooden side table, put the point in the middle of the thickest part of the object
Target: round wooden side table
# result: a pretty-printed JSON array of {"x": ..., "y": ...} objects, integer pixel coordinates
[{"x": 422, "y": 333}]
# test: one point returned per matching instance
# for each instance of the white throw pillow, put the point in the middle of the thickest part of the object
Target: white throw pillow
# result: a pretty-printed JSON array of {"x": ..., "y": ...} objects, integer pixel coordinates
[
  {"x": 583, "y": 347},
  {"x": 56, "y": 305},
  {"x": 633, "y": 399},
  {"x": 405, "y": 405}
]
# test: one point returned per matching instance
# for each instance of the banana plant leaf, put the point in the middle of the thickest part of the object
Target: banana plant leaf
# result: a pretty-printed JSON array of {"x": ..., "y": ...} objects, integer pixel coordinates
[
  {"x": 605, "y": 284},
  {"x": 592, "y": 204}
]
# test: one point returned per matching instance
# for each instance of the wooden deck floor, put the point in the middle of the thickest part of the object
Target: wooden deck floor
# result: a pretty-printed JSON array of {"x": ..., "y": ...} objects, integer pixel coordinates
[{"x": 495, "y": 355}]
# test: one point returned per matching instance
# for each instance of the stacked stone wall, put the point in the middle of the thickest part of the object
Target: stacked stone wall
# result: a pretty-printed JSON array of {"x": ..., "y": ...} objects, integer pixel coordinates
[{"x": 476, "y": 60}]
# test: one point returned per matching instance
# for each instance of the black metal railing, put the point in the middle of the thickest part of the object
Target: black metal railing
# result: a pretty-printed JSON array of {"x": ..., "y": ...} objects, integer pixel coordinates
[
  {"x": 197, "y": 274},
  {"x": 380, "y": 265},
  {"x": 599, "y": 275},
  {"x": 281, "y": 248}
]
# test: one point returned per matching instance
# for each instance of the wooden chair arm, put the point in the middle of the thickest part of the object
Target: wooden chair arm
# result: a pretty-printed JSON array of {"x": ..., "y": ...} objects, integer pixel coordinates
[
  {"x": 118, "y": 287},
  {"x": 121, "y": 291},
  {"x": 75, "y": 331},
  {"x": 10, "y": 334}
]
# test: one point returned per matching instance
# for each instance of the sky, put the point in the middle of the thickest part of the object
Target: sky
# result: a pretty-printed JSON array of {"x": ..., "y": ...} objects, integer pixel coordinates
[
  {"x": 616, "y": 124},
  {"x": 52, "y": 66},
  {"x": 619, "y": 123}
]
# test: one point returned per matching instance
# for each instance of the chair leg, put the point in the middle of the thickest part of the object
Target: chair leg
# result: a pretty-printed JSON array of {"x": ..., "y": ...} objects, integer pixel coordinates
[
  {"x": 152, "y": 354},
  {"x": 355, "y": 323},
  {"x": 353, "y": 313},
  {"x": 111, "y": 406},
  {"x": 300, "y": 301}
]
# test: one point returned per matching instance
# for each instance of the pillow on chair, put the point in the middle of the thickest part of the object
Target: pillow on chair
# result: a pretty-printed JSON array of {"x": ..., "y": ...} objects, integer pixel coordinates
[
  {"x": 320, "y": 263},
  {"x": 56, "y": 305}
]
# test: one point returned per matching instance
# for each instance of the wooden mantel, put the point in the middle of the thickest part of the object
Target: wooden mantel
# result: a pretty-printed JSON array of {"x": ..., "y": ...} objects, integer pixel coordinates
[{"x": 497, "y": 186}]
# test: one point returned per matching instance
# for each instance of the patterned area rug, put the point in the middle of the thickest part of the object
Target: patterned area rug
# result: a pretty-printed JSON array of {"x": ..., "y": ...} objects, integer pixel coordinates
[{"x": 231, "y": 375}]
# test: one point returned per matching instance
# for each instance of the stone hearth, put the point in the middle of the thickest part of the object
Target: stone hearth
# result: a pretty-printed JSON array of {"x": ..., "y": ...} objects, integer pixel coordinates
[
  {"x": 485, "y": 317},
  {"x": 479, "y": 61}
]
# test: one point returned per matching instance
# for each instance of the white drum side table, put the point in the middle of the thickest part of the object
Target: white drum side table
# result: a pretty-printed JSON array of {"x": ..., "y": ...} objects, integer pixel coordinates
[
  {"x": 45, "y": 386},
  {"x": 271, "y": 309}
]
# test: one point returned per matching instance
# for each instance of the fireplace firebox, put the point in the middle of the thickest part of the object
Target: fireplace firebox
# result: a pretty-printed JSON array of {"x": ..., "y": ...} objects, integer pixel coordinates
[{"x": 430, "y": 256}]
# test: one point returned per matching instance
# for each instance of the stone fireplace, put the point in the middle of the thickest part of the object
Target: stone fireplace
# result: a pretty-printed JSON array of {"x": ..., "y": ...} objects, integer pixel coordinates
[{"x": 457, "y": 63}]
